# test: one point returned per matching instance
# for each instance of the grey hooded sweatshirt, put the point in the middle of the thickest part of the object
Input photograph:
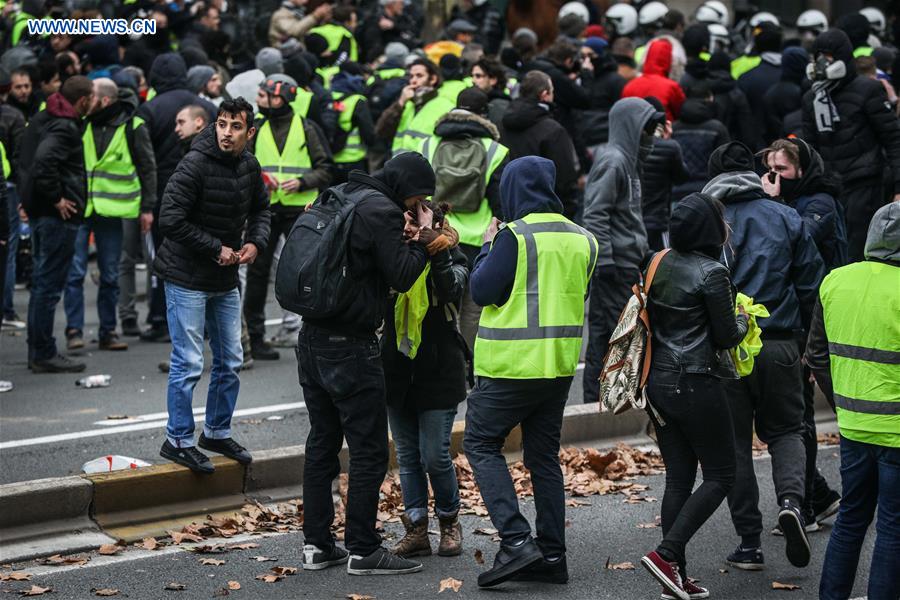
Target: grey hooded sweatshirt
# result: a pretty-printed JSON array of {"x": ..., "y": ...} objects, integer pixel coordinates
[{"x": 612, "y": 199}]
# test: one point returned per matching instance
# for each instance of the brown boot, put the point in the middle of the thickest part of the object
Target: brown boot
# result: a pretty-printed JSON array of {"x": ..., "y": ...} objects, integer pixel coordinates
[
  {"x": 451, "y": 536},
  {"x": 415, "y": 542}
]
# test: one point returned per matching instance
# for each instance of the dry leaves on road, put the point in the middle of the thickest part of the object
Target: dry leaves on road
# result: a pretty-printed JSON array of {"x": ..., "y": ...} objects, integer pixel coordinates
[
  {"x": 35, "y": 590},
  {"x": 211, "y": 562},
  {"x": 359, "y": 597},
  {"x": 622, "y": 566},
  {"x": 479, "y": 557},
  {"x": 776, "y": 585},
  {"x": 450, "y": 584},
  {"x": 175, "y": 587},
  {"x": 485, "y": 531},
  {"x": 109, "y": 549},
  {"x": 269, "y": 578},
  {"x": 234, "y": 585},
  {"x": 105, "y": 592},
  {"x": 15, "y": 576},
  {"x": 284, "y": 570},
  {"x": 263, "y": 559},
  {"x": 179, "y": 537},
  {"x": 149, "y": 543},
  {"x": 209, "y": 549},
  {"x": 243, "y": 546},
  {"x": 57, "y": 560}
]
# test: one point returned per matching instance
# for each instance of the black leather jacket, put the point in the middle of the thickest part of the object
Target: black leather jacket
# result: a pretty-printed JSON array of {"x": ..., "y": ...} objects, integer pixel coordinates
[{"x": 691, "y": 310}]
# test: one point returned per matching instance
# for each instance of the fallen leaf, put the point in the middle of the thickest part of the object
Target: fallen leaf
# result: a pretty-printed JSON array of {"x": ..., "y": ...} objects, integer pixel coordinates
[
  {"x": 479, "y": 557},
  {"x": 647, "y": 525},
  {"x": 270, "y": 578},
  {"x": 359, "y": 597},
  {"x": 175, "y": 587},
  {"x": 212, "y": 562},
  {"x": 234, "y": 585},
  {"x": 179, "y": 537},
  {"x": 284, "y": 570},
  {"x": 784, "y": 586},
  {"x": 15, "y": 576},
  {"x": 105, "y": 592},
  {"x": 573, "y": 503},
  {"x": 263, "y": 559},
  {"x": 450, "y": 584},
  {"x": 485, "y": 531},
  {"x": 209, "y": 549},
  {"x": 723, "y": 570},
  {"x": 35, "y": 590},
  {"x": 623, "y": 566},
  {"x": 149, "y": 543},
  {"x": 57, "y": 560},
  {"x": 243, "y": 546},
  {"x": 109, "y": 549}
]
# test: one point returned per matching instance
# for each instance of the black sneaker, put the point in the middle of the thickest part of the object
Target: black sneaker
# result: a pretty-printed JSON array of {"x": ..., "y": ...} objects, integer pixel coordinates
[
  {"x": 226, "y": 447},
  {"x": 191, "y": 458},
  {"x": 157, "y": 333},
  {"x": 262, "y": 350},
  {"x": 315, "y": 559},
  {"x": 130, "y": 328},
  {"x": 546, "y": 571},
  {"x": 827, "y": 506},
  {"x": 509, "y": 561},
  {"x": 57, "y": 364},
  {"x": 747, "y": 559},
  {"x": 810, "y": 525},
  {"x": 381, "y": 562},
  {"x": 790, "y": 520}
]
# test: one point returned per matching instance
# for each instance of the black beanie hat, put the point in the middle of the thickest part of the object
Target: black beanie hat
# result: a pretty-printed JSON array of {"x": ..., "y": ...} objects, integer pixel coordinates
[
  {"x": 473, "y": 100},
  {"x": 730, "y": 157}
]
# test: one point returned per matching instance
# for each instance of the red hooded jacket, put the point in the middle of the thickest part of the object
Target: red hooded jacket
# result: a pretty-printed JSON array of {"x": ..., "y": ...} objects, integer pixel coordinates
[{"x": 654, "y": 79}]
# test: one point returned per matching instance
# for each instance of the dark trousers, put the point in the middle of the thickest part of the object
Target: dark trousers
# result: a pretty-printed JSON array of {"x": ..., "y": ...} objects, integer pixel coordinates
[
  {"x": 53, "y": 246},
  {"x": 771, "y": 400},
  {"x": 495, "y": 406},
  {"x": 258, "y": 276},
  {"x": 860, "y": 199},
  {"x": 817, "y": 488},
  {"x": 343, "y": 386},
  {"x": 658, "y": 239},
  {"x": 157, "y": 315},
  {"x": 870, "y": 476},
  {"x": 698, "y": 429},
  {"x": 609, "y": 295}
]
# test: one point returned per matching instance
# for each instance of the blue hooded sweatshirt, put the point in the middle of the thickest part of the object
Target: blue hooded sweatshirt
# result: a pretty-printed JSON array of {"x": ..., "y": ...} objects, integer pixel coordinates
[{"x": 526, "y": 187}]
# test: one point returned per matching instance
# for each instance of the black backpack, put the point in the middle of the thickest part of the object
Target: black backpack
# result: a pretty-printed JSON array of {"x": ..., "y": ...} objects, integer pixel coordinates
[{"x": 313, "y": 277}]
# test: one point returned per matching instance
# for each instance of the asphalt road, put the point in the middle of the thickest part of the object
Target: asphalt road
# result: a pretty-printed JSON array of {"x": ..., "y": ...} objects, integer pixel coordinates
[
  {"x": 607, "y": 529},
  {"x": 50, "y": 428}
]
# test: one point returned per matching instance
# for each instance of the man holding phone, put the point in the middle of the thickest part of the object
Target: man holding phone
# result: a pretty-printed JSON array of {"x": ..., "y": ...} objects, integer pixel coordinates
[{"x": 214, "y": 216}]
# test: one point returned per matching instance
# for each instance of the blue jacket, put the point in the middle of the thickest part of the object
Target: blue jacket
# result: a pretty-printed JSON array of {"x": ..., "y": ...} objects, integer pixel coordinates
[
  {"x": 772, "y": 257},
  {"x": 823, "y": 218}
]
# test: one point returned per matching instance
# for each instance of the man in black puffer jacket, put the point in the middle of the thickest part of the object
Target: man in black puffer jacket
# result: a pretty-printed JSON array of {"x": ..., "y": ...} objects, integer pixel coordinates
[
  {"x": 663, "y": 169},
  {"x": 216, "y": 191},
  {"x": 848, "y": 119}
]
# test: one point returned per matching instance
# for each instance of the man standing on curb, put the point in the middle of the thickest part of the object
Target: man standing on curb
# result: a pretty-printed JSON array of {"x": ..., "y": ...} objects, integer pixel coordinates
[
  {"x": 216, "y": 191},
  {"x": 532, "y": 279}
]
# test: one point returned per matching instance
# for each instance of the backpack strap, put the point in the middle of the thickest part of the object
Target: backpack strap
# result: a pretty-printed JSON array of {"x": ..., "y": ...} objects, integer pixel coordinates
[{"x": 648, "y": 352}]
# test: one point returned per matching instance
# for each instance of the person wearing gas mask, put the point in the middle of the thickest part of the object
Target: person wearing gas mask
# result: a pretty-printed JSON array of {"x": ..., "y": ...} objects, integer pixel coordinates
[
  {"x": 847, "y": 118},
  {"x": 612, "y": 212}
]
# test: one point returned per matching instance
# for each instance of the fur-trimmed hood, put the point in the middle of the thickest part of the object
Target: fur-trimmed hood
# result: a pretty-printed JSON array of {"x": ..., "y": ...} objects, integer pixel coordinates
[{"x": 459, "y": 123}]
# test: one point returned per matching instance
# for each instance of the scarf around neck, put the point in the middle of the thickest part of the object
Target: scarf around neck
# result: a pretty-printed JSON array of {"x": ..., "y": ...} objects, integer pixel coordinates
[{"x": 825, "y": 111}]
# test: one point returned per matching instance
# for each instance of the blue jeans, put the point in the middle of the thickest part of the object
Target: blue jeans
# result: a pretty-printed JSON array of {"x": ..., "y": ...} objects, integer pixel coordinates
[
  {"x": 52, "y": 246},
  {"x": 108, "y": 239},
  {"x": 188, "y": 312},
  {"x": 422, "y": 441},
  {"x": 871, "y": 479},
  {"x": 12, "y": 248}
]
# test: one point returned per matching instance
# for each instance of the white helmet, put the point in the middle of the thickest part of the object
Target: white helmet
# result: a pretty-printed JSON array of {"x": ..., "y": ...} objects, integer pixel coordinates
[
  {"x": 764, "y": 17},
  {"x": 719, "y": 37},
  {"x": 876, "y": 19},
  {"x": 623, "y": 18},
  {"x": 712, "y": 11},
  {"x": 652, "y": 12},
  {"x": 575, "y": 8},
  {"x": 813, "y": 20}
]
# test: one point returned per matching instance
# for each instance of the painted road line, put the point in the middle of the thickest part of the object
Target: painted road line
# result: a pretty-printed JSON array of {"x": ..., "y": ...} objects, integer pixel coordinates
[{"x": 75, "y": 435}]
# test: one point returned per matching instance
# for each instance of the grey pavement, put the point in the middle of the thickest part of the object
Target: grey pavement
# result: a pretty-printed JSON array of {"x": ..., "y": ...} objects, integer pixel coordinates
[{"x": 605, "y": 529}]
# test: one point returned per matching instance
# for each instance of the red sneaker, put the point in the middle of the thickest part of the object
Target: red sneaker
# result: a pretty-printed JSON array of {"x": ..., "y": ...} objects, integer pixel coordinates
[
  {"x": 694, "y": 591},
  {"x": 666, "y": 573}
]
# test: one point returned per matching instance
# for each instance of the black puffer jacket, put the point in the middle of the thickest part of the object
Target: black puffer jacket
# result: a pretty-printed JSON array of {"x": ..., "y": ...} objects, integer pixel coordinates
[
  {"x": 661, "y": 170},
  {"x": 786, "y": 96},
  {"x": 732, "y": 107},
  {"x": 209, "y": 199},
  {"x": 691, "y": 303},
  {"x": 698, "y": 132},
  {"x": 867, "y": 130}
]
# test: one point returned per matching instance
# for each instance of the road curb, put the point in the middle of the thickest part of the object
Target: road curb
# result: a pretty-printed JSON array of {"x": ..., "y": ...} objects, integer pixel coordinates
[{"x": 71, "y": 514}]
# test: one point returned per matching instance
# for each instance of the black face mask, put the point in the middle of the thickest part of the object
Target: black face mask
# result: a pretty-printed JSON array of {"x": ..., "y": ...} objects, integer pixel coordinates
[
  {"x": 274, "y": 113},
  {"x": 790, "y": 188}
]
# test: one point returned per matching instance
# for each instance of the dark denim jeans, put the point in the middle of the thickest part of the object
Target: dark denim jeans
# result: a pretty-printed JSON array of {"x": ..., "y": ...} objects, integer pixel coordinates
[
  {"x": 52, "y": 245},
  {"x": 422, "y": 440},
  {"x": 870, "y": 476},
  {"x": 343, "y": 387},
  {"x": 12, "y": 247},
  {"x": 108, "y": 240},
  {"x": 494, "y": 407}
]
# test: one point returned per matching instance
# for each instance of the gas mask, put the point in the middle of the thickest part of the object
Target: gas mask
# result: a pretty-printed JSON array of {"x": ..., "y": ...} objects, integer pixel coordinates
[{"x": 826, "y": 70}]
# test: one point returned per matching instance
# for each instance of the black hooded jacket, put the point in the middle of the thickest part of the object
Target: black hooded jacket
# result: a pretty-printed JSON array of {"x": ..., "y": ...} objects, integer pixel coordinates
[
  {"x": 380, "y": 259},
  {"x": 868, "y": 131},
  {"x": 691, "y": 300},
  {"x": 786, "y": 96},
  {"x": 208, "y": 202},
  {"x": 732, "y": 107},
  {"x": 662, "y": 170},
  {"x": 698, "y": 132}
]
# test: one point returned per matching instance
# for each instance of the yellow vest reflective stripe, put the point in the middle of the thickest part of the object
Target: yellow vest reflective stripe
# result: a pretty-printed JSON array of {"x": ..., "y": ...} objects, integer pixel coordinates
[
  {"x": 113, "y": 185},
  {"x": 292, "y": 163},
  {"x": 471, "y": 226},
  {"x": 409, "y": 312},
  {"x": 335, "y": 35},
  {"x": 537, "y": 333},
  {"x": 7, "y": 169},
  {"x": 861, "y": 309},
  {"x": 300, "y": 104},
  {"x": 742, "y": 64},
  {"x": 327, "y": 74},
  {"x": 354, "y": 150},
  {"x": 451, "y": 89},
  {"x": 863, "y": 51},
  {"x": 418, "y": 126}
]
